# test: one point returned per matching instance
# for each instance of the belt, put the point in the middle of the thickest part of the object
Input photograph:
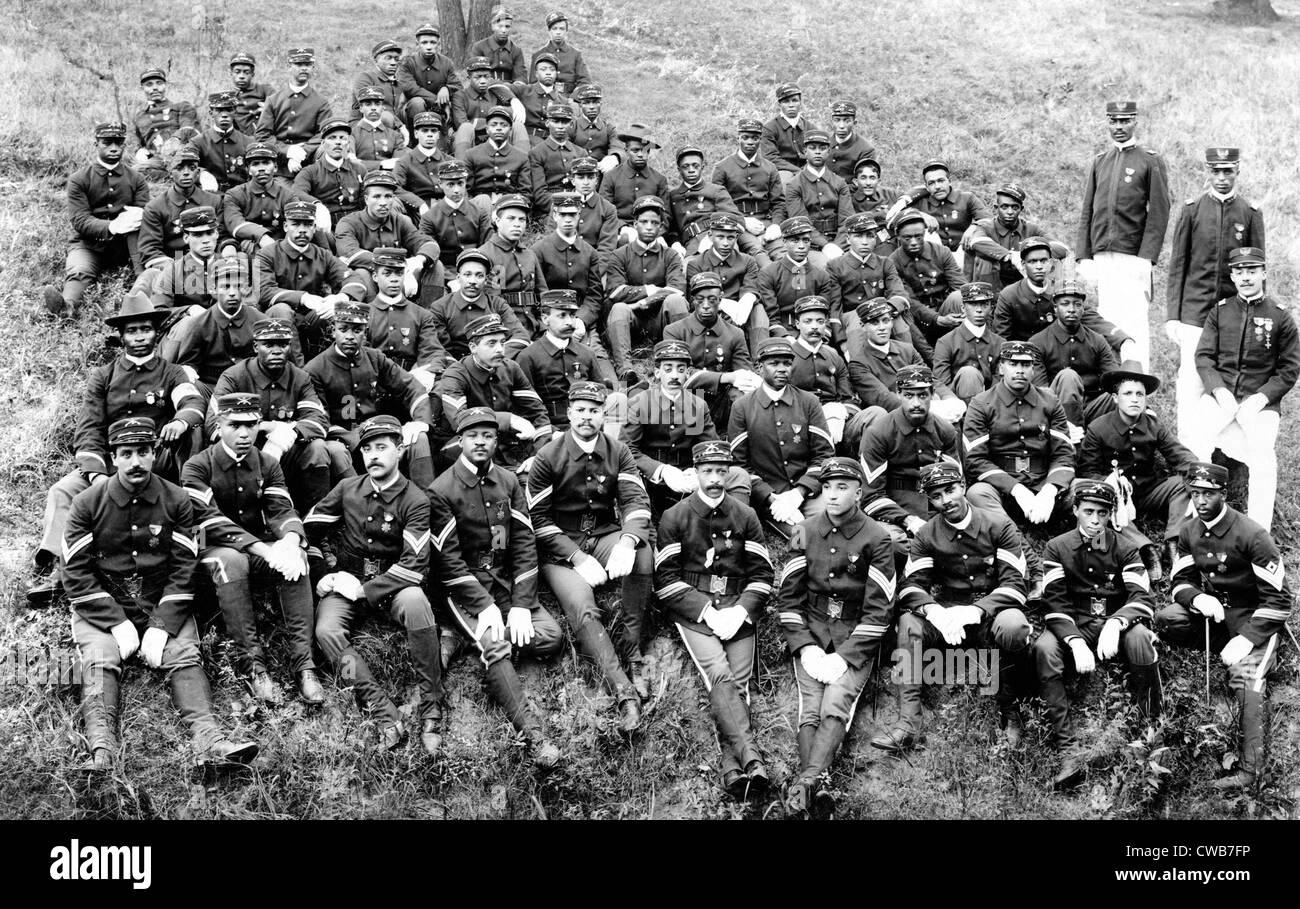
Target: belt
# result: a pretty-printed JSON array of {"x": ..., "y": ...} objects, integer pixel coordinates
[
  {"x": 900, "y": 485},
  {"x": 719, "y": 585},
  {"x": 1023, "y": 464},
  {"x": 488, "y": 560},
  {"x": 520, "y": 299},
  {"x": 694, "y": 229},
  {"x": 959, "y": 596},
  {"x": 752, "y": 207},
  {"x": 837, "y": 608},
  {"x": 669, "y": 454},
  {"x": 824, "y": 225}
]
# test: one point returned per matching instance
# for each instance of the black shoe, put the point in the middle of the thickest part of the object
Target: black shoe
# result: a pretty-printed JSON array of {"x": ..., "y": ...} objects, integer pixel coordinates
[
  {"x": 391, "y": 735},
  {"x": 1151, "y": 559},
  {"x": 1072, "y": 773},
  {"x": 228, "y": 752},
  {"x": 896, "y": 740},
  {"x": 431, "y": 735},
  {"x": 264, "y": 688},
  {"x": 823, "y": 806},
  {"x": 735, "y": 783},
  {"x": 629, "y": 715},
  {"x": 759, "y": 782},
  {"x": 309, "y": 687},
  {"x": 42, "y": 590}
]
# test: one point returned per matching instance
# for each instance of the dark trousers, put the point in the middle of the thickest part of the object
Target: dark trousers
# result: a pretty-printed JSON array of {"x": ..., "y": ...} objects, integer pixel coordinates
[
  {"x": 1052, "y": 656},
  {"x": 233, "y": 573}
]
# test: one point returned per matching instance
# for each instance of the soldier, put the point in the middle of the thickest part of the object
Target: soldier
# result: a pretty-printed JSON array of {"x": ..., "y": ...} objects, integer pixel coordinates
[
  {"x": 782, "y": 141},
  {"x": 714, "y": 574},
  {"x": 418, "y": 172},
  {"x": 965, "y": 567},
  {"x": 646, "y": 284},
  {"x": 488, "y": 563},
  {"x": 950, "y": 212},
  {"x": 692, "y": 202},
  {"x": 373, "y": 139},
  {"x": 550, "y": 160},
  {"x": 573, "y": 487},
  {"x": 383, "y": 78},
  {"x": 222, "y": 146},
  {"x": 495, "y": 166},
  {"x": 292, "y": 117},
  {"x": 1098, "y": 598},
  {"x": 222, "y": 335},
  {"x": 251, "y": 212},
  {"x": 160, "y": 120},
  {"x": 818, "y": 367},
  {"x": 739, "y": 274},
  {"x": 849, "y": 147},
  {"x": 129, "y": 558},
  {"x": 1209, "y": 227},
  {"x": 504, "y": 58},
  {"x": 1229, "y": 571},
  {"x": 539, "y": 95},
  {"x": 373, "y": 537},
  {"x": 403, "y": 331},
  {"x": 992, "y": 245},
  {"x": 598, "y": 219},
  {"x": 453, "y": 313},
  {"x": 249, "y": 530},
  {"x": 250, "y": 96},
  {"x": 454, "y": 222},
  {"x": 555, "y": 361},
  {"x": 929, "y": 270},
  {"x": 161, "y": 233},
  {"x": 865, "y": 273},
  {"x": 181, "y": 282},
  {"x": 834, "y": 603},
  {"x": 381, "y": 224},
  {"x": 1122, "y": 225},
  {"x": 428, "y": 79},
  {"x": 966, "y": 358},
  {"x": 755, "y": 187},
  {"x": 594, "y": 133},
  {"x": 106, "y": 203},
  {"x": 794, "y": 276},
  {"x": 335, "y": 178},
  {"x": 633, "y": 178},
  {"x": 1074, "y": 359},
  {"x": 866, "y": 193},
  {"x": 469, "y": 109},
  {"x": 1248, "y": 359},
  {"x": 820, "y": 195},
  {"x": 571, "y": 68},
  {"x": 1017, "y": 441},
  {"x": 355, "y": 383},
  {"x": 779, "y": 434},
  {"x": 515, "y": 275}
]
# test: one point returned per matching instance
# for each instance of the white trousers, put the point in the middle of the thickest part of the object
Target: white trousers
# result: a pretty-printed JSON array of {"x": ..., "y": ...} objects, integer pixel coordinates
[
  {"x": 1250, "y": 440},
  {"x": 1124, "y": 297}
]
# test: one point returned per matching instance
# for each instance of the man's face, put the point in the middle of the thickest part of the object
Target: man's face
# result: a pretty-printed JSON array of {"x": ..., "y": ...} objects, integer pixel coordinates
[
  {"x": 134, "y": 463},
  {"x": 916, "y": 404},
  {"x": 1121, "y": 128},
  {"x": 185, "y": 174},
  {"x": 379, "y": 202},
  {"x": 387, "y": 62},
  {"x": 335, "y": 145},
  {"x": 637, "y": 152},
  {"x": 478, "y": 444},
  {"x": 138, "y": 337},
  {"x": 879, "y": 330},
  {"x": 238, "y": 432},
  {"x": 566, "y": 221},
  {"x": 749, "y": 143},
  {"x": 1207, "y": 502},
  {"x": 1069, "y": 311},
  {"x": 791, "y": 106},
  {"x": 590, "y": 109},
  {"x": 584, "y": 184},
  {"x": 261, "y": 170},
  {"x": 691, "y": 167},
  {"x": 977, "y": 311},
  {"x": 672, "y": 374},
  {"x": 842, "y": 124},
  {"x": 347, "y": 337},
  {"x": 1037, "y": 263},
  {"x": 815, "y": 154},
  {"x": 480, "y": 79},
  {"x": 428, "y": 45},
  {"x": 388, "y": 281},
  {"x": 558, "y": 128},
  {"x": 861, "y": 244},
  {"x": 559, "y": 32},
  {"x": 154, "y": 90},
  {"x": 706, "y": 306},
  {"x": 1131, "y": 398},
  {"x": 1016, "y": 374},
  {"x": 472, "y": 278},
  {"x": 511, "y": 224},
  {"x": 648, "y": 225},
  {"x": 498, "y": 129},
  {"x": 949, "y": 501},
  {"x": 299, "y": 232},
  {"x": 229, "y": 293},
  {"x": 454, "y": 189},
  {"x": 1223, "y": 178},
  {"x": 724, "y": 241},
  {"x": 776, "y": 371},
  {"x": 1249, "y": 279},
  {"x": 546, "y": 73},
  {"x": 489, "y": 350},
  {"x": 841, "y": 496},
  {"x": 797, "y": 247},
  {"x": 912, "y": 238},
  {"x": 222, "y": 117},
  {"x": 203, "y": 243},
  {"x": 1092, "y": 517},
  {"x": 300, "y": 73},
  {"x": 501, "y": 29},
  {"x": 271, "y": 355},
  {"x": 1008, "y": 211},
  {"x": 372, "y": 110},
  {"x": 561, "y": 322},
  {"x": 110, "y": 150},
  {"x": 867, "y": 177},
  {"x": 812, "y": 326},
  {"x": 712, "y": 478},
  {"x": 587, "y": 418},
  {"x": 380, "y": 456},
  {"x": 242, "y": 74},
  {"x": 936, "y": 181}
]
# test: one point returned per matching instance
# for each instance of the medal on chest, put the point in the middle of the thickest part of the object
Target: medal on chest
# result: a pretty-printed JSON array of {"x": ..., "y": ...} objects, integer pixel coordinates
[
  {"x": 1128, "y": 175},
  {"x": 1264, "y": 331},
  {"x": 795, "y": 427},
  {"x": 155, "y": 534},
  {"x": 387, "y": 524}
]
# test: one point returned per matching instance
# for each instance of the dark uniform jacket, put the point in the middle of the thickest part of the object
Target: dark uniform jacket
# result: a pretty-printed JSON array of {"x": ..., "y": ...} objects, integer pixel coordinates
[
  {"x": 353, "y": 391},
  {"x": 863, "y": 279},
  {"x": 374, "y": 141},
  {"x": 1085, "y": 351},
  {"x": 498, "y": 170},
  {"x": 359, "y": 233},
  {"x": 714, "y": 350},
  {"x": 516, "y": 277},
  {"x": 417, "y": 178},
  {"x": 955, "y": 214},
  {"x": 423, "y": 77},
  {"x": 1208, "y": 228},
  {"x": 337, "y": 188},
  {"x": 738, "y": 272},
  {"x": 821, "y": 371},
  {"x": 507, "y": 59},
  {"x": 893, "y": 453},
  {"x": 239, "y": 502},
  {"x": 779, "y": 441},
  {"x": 504, "y": 390},
  {"x": 289, "y": 397},
  {"x": 161, "y": 236},
  {"x": 988, "y": 241},
  {"x": 754, "y": 186},
  {"x": 875, "y": 375},
  {"x": 929, "y": 276},
  {"x": 633, "y": 267},
  {"x": 1087, "y": 582},
  {"x": 782, "y": 143},
  {"x": 182, "y": 281},
  {"x": 574, "y": 265},
  {"x": 217, "y": 341},
  {"x": 978, "y": 562},
  {"x": 222, "y": 155},
  {"x": 572, "y": 69},
  {"x": 1021, "y": 312},
  {"x": 285, "y": 273},
  {"x": 1125, "y": 204},
  {"x": 1111, "y": 444},
  {"x": 846, "y": 154},
  {"x": 250, "y": 212},
  {"x": 156, "y": 122},
  {"x": 373, "y": 78},
  {"x": 1012, "y": 439},
  {"x": 1249, "y": 347},
  {"x": 453, "y": 313},
  {"x": 551, "y": 369},
  {"x": 783, "y": 282},
  {"x": 599, "y": 137},
  {"x": 598, "y": 225},
  {"x": 248, "y": 107},
  {"x": 292, "y": 117},
  {"x": 456, "y": 229},
  {"x": 625, "y": 184},
  {"x": 405, "y": 332},
  {"x": 97, "y": 195},
  {"x": 960, "y": 348},
  {"x": 661, "y": 431},
  {"x": 691, "y": 207},
  {"x": 823, "y": 199}
]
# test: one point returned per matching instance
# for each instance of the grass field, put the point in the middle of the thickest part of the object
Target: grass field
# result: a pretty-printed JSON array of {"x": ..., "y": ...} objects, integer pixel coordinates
[{"x": 1004, "y": 90}]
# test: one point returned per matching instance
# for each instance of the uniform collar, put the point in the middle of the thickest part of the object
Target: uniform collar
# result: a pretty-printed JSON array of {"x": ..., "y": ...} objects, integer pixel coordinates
[
  {"x": 458, "y": 300},
  {"x": 383, "y": 303},
  {"x": 112, "y": 170},
  {"x": 1131, "y": 143},
  {"x": 804, "y": 350},
  {"x": 849, "y": 526},
  {"x": 140, "y": 362},
  {"x": 814, "y": 174},
  {"x": 337, "y": 356},
  {"x": 262, "y": 379},
  {"x": 118, "y": 492},
  {"x": 577, "y": 449},
  {"x": 1007, "y": 397},
  {"x": 556, "y": 345},
  {"x": 965, "y": 522},
  {"x": 469, "y": 476},
  {"x": 224, "y": 318},
  {"x": 766, "y": 399},
  {"x": 371, "y": 125},
  {"x": 702, "y": 504},
  {"x": 388, "y": 493},
  {"x": 1221, "y": 522},
  {"x": 226, "y": 457},
  {"x": 972, "y": 333}
]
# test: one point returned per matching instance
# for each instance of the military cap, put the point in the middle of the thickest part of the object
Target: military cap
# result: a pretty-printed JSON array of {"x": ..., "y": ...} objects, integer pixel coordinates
[
  {"x": 152, "y": 72},
  {"x": 511, "y": 200},
  {"x": 555, "y": 16},
  {"x": 242, "y": 58},
  {"x": 547, "y": 57},
  {"x": 389, "y": 257},
  {"x": 240, "y": 403},
  {"x": 725, "y": 220},
  {"x": 379, "y": 178},
  {"x": 473, "y": 255},
  {"x": 199, "y": 218},
  {"x": 1222, "y": 155},
  {"x": 875, "y": 308},
  {"x": 469, "y": 417},
  {"x": 716, "y": 452},
  {"x": 478, "y": 64},
  {"x": 649, "y": 203},
  {"x": 110, "y": 131},
  {"x": 913, "y": 376},
  {"x": 186, "y": 153},
  {"x": 977, "y": 292},
  {"x": 136, "y": 305},
  {"x": 844, "y": 109},
  {"x": 817, "y": 137},
  {"x": 935, "y": 164},
  {"x": 1204, "y": 475},
  {"x": 749, "y": 125},
  {"x": 775, "y": 347},
  {"x": 906, "y": 216},
  {"x": 490, "y": 324},
  {"x": 1031, "y": 243},
  {"x": 384, "y": 47},
  {"x": 502, "y": 13},
  {"x": 369, "y": 93},
  {"x": 273, "y": 330},
  {"x": 1094, "y": 491},
  {"x": 811, "y": 303},
  {"x": 1245, "y": 255},
  {"x": 587, "y": 92},
  {"x": 587, "y": 391},
  {"x": 1011, "y": 191},
  {"x": 796, "y": 226},
  {"x": 260, "y": 151},
  {"x": 1020, "y": 350},
  {"x": 687, "y": 150},
  {"x": 302, "y": 55},
  {"x": 566, "y": 300},
  {"x": 638, "y": 132},
  {"x": 428, "y": 28},
  {"x": 378, "y": 427},
  {"x": 299, "y": 210},
  {"x": 236, "y": 267},
  {"x": 500, "y": 112},
  {"x": 565, "y": 200},
  {"x": 865, "y": 160},
  {"x": 131, "y": 431},
  {"x": 840, "y": 469},
  {"x": 557, "y": 111},
  {"x": 1129, "y": 370},
  {"x": 704, "y": 280},
  {"x": 427, "y": 118},
  {"x": 1121, "y": 109},
  {"x": 860, "y": 223},
  {"x": 453, "y": 169},
  {"x": 335, "y": 125},
  {"x": 351, "y": 313},
  {"x": 223, "y": 100},
  {"x": 585, "y": 165},
  {"x": 941, "y": 473},
  {"x": 787, "y": 90},
  {"x": 1070, "y": 289},
  {"x": 672, "y": 350}
]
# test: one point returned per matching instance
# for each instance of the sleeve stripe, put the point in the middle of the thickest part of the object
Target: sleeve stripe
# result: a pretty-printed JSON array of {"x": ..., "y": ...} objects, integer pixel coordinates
[
  {"x": 310, "y": 405},
  {"x": 185, "y": 541},
  {"x": 441, "y": 539},
  {"x": 676, "y": 588},
  {"x": 1273, "y": 578},
  {"x": 417, "y": 544},
  {"x": 200, "y": 495},
  {"x": 533, "y": 500},
  {"x": 1010, "y": 592},
  {"x": 873, "y": 475},
  {"x": 76, "y": 601},
  {"x": 530, "y": 573},
  {"x": 521, "y": 518},
  {"x": 279, "y": 491},
  {"x": 735, "y": 443},
  {"x": 790, "y": 618},
  {"x": 888, "y": 586},
  {"x": 1137, "y": 579},
  {"x": 914, "y": 565},
  {"x": 632, "y": 478},
  {"x": 821, "y": 432},
  {"x": 181, "y": 392},
  {"x": 637, "y": 514},
  {"x": 1015, "y": 560},
  {"x": 406, "y": 574},
  {"x": 70, "y": 551},
  {"x": 1182, "y": 563},
  {"x": 315, "y": 517},
  {"x": 976, "y": 442}
]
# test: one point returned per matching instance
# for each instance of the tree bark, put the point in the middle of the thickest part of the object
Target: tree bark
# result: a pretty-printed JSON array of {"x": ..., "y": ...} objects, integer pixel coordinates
[
  {"x": 451, "y": 25},
  {"x": 480, "y": 20}
]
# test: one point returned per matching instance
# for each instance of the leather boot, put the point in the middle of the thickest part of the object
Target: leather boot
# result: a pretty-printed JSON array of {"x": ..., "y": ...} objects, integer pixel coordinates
[
  {"x": 731, "y": 717},
  {"x": 354, "y": 673},
  {"x": 192, "y": 697},
  {"x": 1145, "y": 684},
  {"x": 1013, "y": 725},
  {"x": 902, "y": 736},
  {"x": 595, "y": 644},
  {"x": 426, "y": 655},
  {"x": 826, "y": 743},
  {"x": 309, "y": 686},
  {"x": 506, "y": 689},
  {"x": 44, "y": 587},
  {"x": 99, "y": 702},
  {"x": 449, "y": 646},
  {"x": 1171, "y": 553},
  {"x": 1072, "y": 773},
  {"x": 264, "y": 687},
  {"x": 805, "y": 741},
  {"x": 1058, "y": 710},
  {"x": 1151, "y": 559},
  {"x": 1252, "y": 742}
]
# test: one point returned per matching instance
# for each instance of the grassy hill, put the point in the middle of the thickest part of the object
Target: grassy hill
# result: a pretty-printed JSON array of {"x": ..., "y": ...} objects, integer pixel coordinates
[{"x": 1004, "y": 90}]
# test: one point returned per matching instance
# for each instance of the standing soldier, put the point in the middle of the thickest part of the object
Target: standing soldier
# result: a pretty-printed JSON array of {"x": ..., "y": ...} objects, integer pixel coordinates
[
  {"x": 292, "y": 117},
  {"x": 1122, "y": 226},
  {"x": 250, "y": 96},
  {"x": 714, "y": 574},
  {"x": 129, "y": 558},
  {"x": 834, "y": 603},
  {"x": 161, "y": 119},
  {"x": 1229, "y": 571},
  {"x": 222, "y": 146},
  {"x": 1248, "y": 359},
  {"x": 783, "y": 136}
]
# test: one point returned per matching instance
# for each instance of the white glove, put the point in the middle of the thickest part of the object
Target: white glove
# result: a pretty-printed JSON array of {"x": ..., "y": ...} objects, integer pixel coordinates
[
  {"x": 1074, "y": 432},
  {"x": 946, "y": 623},
  {"x": 126, "y": 222},
  {"x": 322, "y": 306},
  {"x": 833, "y": 666},
  {"x": 754, "y": 226},
  {"x": 272, "y": 451},
  {"x": 746, "y": 381},
  {"x": 424, "y": 377},
  {"x": 1236, "y": 650},
  {"x": 831, "y": 251},
  {"x": 628, "y": 233},
  {"x": 443, "y": 96},
  {"x": 295, "y": 155},
  {"x": 1116, "y": 481},
  {"x": 590, "y": 571},
  {"x": 621, "y": 559},
  {"x": 724, "y": 622},
  {"x": 1044, "y": 503},
  {"x": 282, "y": 436},
  {"x": 1227, "y": 403},
  {"x": 323, "y": 221},
  {"x": 773, "y": 232},
  {"x": 679, "y": 249},
  {"x": 1108, "y": 641},
  {"x": 1024, "y": 497},
  {"x": 912, "y": 524},
  {"x": 1083, "y": 659},
  {"x": 208, "y": 182},
  {"x": 811, "y": 658},
  {"x": 677, "y": 479},
  {"x": 413, "y": 430},
  {"x": 526, "y": 466},
  {"x": 1251, "y": 406},
  {"x": 522, "y": 429},
  {"x": 490, "y": 620},
  {"x": 520, "y": 621},
  {"x": 151, "y": 648},
  {"x": 1171, "y": 330},
  {"x": 951, "y": 409},
  {"x": 579, "y": 330},
  {"x": 128, "y": 639},
  {"x": 411, "y": 279},
  {"x": 786, "y": 507},
  {"x": 607, "y": 163},
  {"x": 342, "y": 583},
  {"x": 706, "y": 243},
  {"x": 266, "y": 242},
  {"x": 965, "y": 615},
  {"x": 1208, "y": 606}
]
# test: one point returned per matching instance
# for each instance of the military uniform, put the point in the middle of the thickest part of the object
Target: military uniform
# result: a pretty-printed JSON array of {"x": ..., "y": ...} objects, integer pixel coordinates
[
  {"x": 989, "y": 244},
  {"x": 550, "y": 162},
  {"x": 1022, "y": 310},
  {"x": 965, "y": 361},
  {"x": 285, "y": 273},
  {"x": 248, "y": 106},
  {"x": 217, "y": 340},
  {"x": 250, "y": 212},
  {"x": 162, "y": 235},
  {"x": 158, "y": 121},
  {"x": 782, "y": 142},
  {"x": 1072, "y": 366},
  {"x": 716, "y": 349},
  {"x": 597, "y": 137},
  {"x": 894, "y": 454},
  {"x": 930, "y": 277},
  {"x": 336, "y": 186},
  {"x": 625, "y": 184},
  {"x": 374, "y": 82},
  {"x": 574, "y": 265},
  {"x": 846, "y": 154},
  {"x": 418, "y": 181},
  {"x": 785, "y": 281},
  {"x": 505, "y": 59},
  {"x": 955, "y": 214},
  {"x": 456, "y": 229},
  {"x": 874, "y": 372},
  {"x": 571, "y": 68},
  {"x": 691, "y": 209},
  {"x": 536, "y": 102},
  {"x": 179, "y": 283},
  {"x": 630, "y": 271},
  {"x": 293, "y": 116},
  {"x": 420, "y": 78},
  {"x": 823, "y": 198},
  {"x": 453, "y": 313},
  {"x": 516, "y": 277},
  {"x": 506, "y": 391},
  {"x": 405, "y": 332},
  {"x": 598, "y": 225},
  {"x": 551, "y": 369},
  {"x": 498, "y": 169},
  {"x": 222, "y": 155}
]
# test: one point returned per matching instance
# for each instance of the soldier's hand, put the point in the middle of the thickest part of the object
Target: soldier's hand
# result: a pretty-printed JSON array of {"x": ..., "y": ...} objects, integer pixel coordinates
[
  {"x": 1208, "y": 606},
  {"x": 208, "y": 182},
  {"x": 523, "y": 430},
  {"x": 1044, "y": 504},
  {"x": 1108, "y": 641},
  {"x": 1024, "y": 497},
  {"x": 676, "y": 480},
  {"x": 1083, "y": 659},
  {"x": 266, "y": 242},
  {"x": 128, "y": 639},
  {"x": 443, "y": 96},
  {"x": 151, "y": 648},
  {"x": 833, "y": 667},
  {"x": 627, "y": 233},
  {"x": 1251, "y": 406},
  {"x": 424, "y": 377},
  {"x": 412, "y": 431},
  {"x": 787, "y": 506},
  {"x": 942, "y": 619},
  {"x": 812, "y": 658},
  {"x": 773, "y": 232},
  {"x": 520, "y": 621},
  {"x": 728, "y": 621},
  {"x": 281, "y": 435},
  {"x": 754, "y": 226},
  {"x": 832, "y": 251},
  {"x": 173, "y": 431},
  {"x": 1236, "y": 650},
  {"x": 489, "y": 621},
  {"x": 1227, "y": 403},
  {"x": 607, "y": 163},
  {"x": 526, "y": 466},
  {"x": 965, "y": 615},
  {"x": 590, "y": 571},
  {"x": 621, "y": 559},
  {"x": 913, "y": 524}
]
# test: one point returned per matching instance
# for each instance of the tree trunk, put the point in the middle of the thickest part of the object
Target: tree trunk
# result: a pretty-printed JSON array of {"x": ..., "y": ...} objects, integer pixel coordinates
[
  {"x": 1252, "y": 11},
  {"x": 451, "y": 25},
  {"x": 480, "y": 20}
]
